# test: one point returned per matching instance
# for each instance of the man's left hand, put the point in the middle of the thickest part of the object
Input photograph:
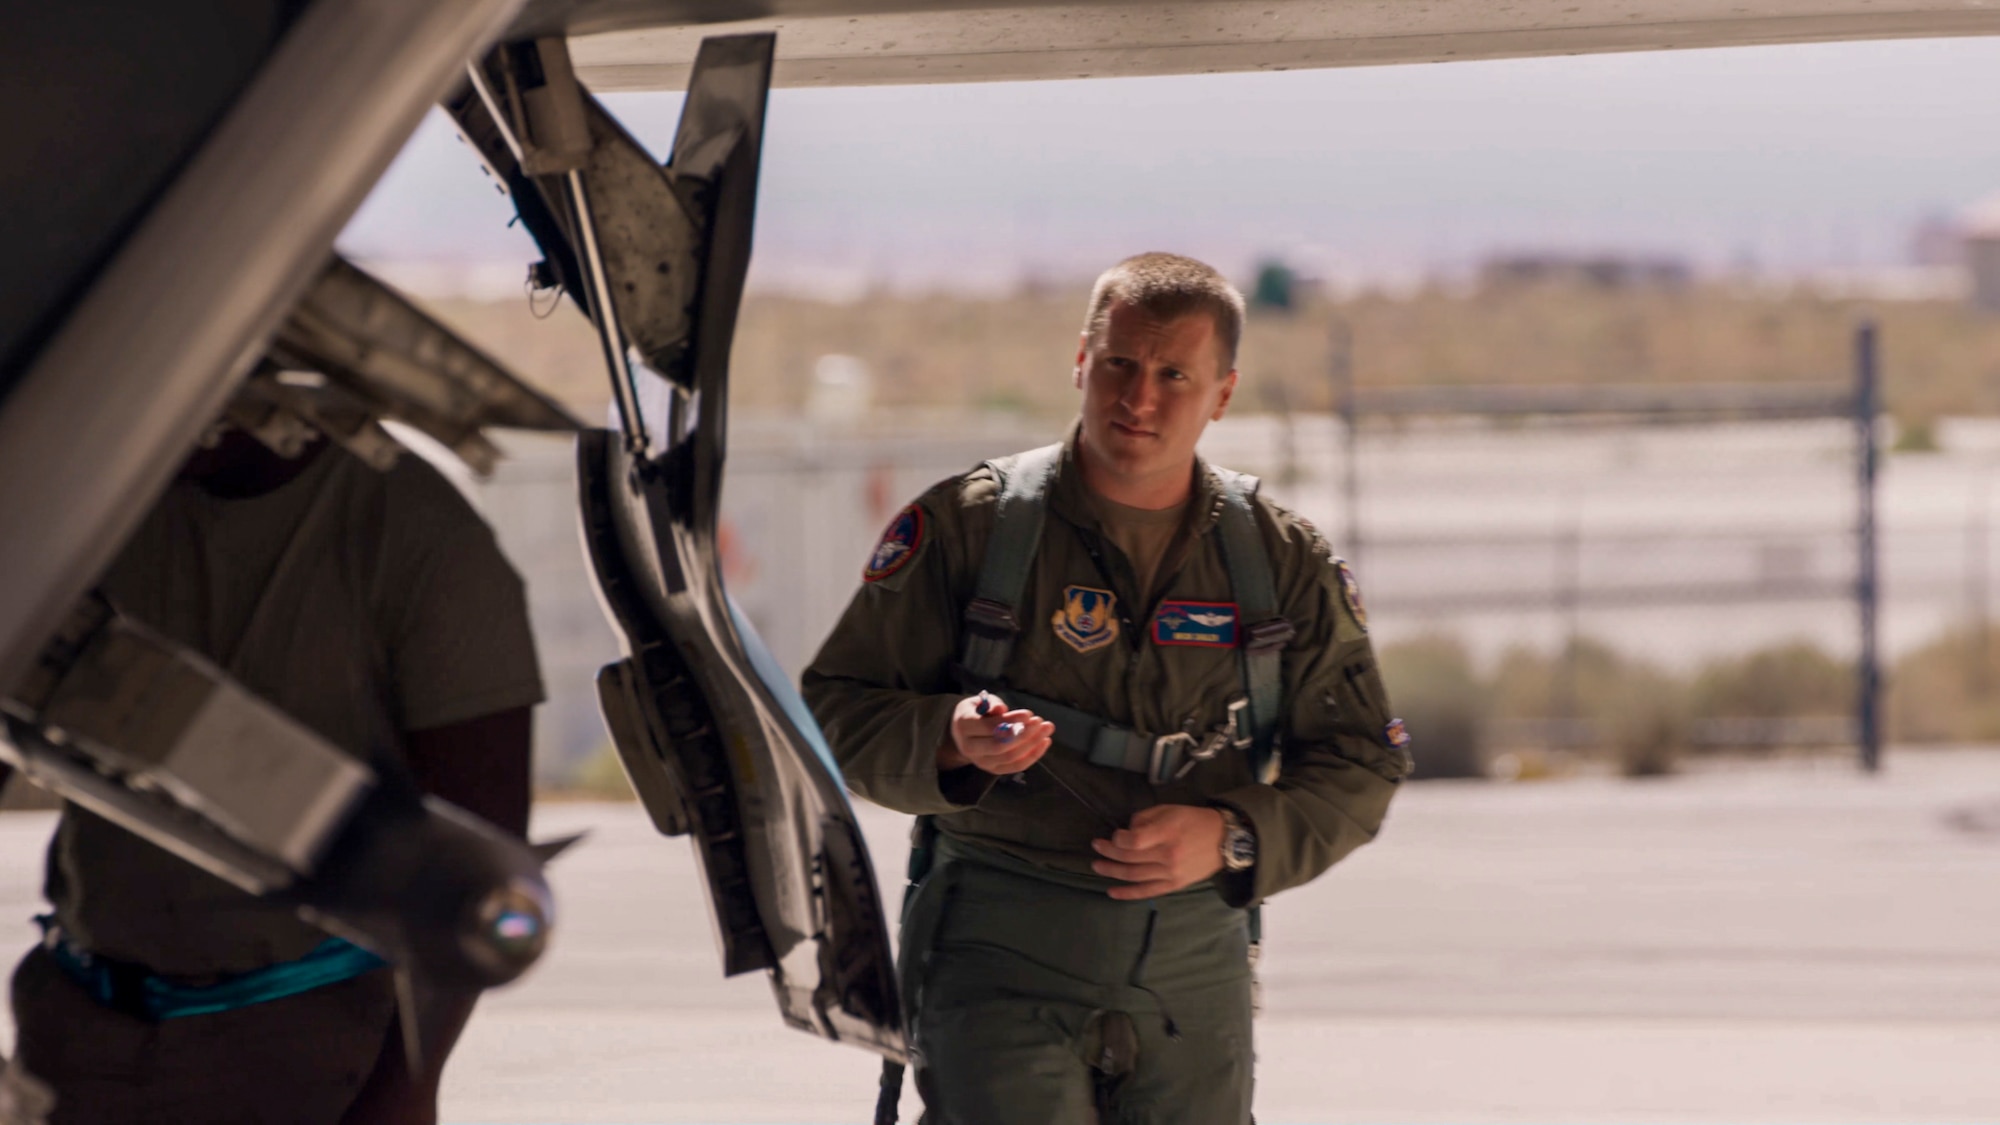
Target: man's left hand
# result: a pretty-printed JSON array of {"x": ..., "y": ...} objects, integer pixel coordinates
[{"x": 1167, "y": 847}]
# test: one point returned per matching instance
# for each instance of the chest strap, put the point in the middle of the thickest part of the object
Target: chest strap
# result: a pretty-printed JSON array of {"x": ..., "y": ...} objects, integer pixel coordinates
[
  {"x": 1162, "y": 758},
  {"x": 992, "y": 623},
  {"x": 1256, "y": 591}
]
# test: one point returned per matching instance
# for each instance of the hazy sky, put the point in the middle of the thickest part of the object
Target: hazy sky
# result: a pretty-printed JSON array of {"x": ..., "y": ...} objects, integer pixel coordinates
[{"x": 1794, "y": 158}]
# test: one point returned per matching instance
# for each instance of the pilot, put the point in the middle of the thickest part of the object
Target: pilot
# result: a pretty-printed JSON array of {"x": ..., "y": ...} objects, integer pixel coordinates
[
  {"x": 375, "y": 608},
  {"x": 1129, "y": 699}
]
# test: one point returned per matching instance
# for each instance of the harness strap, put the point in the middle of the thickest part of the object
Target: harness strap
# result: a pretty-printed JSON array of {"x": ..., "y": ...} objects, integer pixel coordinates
[
  {"x": 138, "y": 991},
  {"x": 1104, "y": 743},
  {"x": 1256, "y": 592},
  {"x": 991, "y": 621},
  {"x": 923, "y": 856}
]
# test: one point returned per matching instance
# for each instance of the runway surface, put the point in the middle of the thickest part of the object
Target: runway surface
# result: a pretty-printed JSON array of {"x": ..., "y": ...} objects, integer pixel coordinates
[{"x": 1781, "y": 942}]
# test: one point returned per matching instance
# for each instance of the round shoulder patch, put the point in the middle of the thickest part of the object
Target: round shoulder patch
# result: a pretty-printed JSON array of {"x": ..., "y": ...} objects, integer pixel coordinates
[
  {"x": 1351, "y": 590},
  {"x": 898, "y": 546}
]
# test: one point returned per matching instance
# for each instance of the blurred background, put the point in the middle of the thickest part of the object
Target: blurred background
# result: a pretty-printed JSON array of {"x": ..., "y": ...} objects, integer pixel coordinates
[
  {"x": 1560, "y": 353},
  {"x": 1565, "y": 355}
]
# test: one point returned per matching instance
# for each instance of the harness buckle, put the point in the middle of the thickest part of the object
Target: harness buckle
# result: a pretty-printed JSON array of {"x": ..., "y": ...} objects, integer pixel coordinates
[
  {"x": 1232, "y": 731},
  {"x": 1162, "y": 766},
  {"x": 1275, "y": 633},
  {"x": 990, "y": 618},
  {"x": 1240, "y": 734}
]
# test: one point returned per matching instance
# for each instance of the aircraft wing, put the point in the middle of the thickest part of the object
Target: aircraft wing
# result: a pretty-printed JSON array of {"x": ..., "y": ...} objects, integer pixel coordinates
[{"x": 649, "y": 44}]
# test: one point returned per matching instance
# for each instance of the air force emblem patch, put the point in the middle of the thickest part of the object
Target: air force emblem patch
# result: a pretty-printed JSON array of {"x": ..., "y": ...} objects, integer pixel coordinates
[
  {"x": 1207, "y": 624},
  {"x": 898, "y": 546},
  {"x": 1088, "y": 619}
]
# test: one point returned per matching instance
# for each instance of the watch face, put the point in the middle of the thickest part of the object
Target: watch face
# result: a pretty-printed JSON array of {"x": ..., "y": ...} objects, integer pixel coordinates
[{"x": 1241, "y": 849}]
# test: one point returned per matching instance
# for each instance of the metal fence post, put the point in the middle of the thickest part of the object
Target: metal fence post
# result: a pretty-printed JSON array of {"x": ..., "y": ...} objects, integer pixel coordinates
[
  {"x": 1867, "y": 594},
  {"x": 1341, "y": 346}
]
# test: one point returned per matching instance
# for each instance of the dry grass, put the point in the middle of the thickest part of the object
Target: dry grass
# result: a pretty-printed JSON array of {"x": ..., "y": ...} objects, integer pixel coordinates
[{"x": 1938, "y": 357}]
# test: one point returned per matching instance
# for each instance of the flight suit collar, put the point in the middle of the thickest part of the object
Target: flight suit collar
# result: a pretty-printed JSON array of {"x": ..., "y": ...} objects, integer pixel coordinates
[{"x": 1069, "y": 497}]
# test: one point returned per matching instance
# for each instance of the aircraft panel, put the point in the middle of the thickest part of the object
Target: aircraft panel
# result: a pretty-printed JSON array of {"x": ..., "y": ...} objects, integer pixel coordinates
[{"x": 648, "y": 44}]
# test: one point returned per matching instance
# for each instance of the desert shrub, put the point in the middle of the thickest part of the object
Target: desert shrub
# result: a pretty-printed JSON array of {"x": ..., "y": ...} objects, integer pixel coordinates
[
  {"x": 1433, "y": 687},
  {"x": 1782, "y": 682},
  {"x": 1648, "y": 722},
  {"x": 601, "y": 776},
  {"x": 1625, "y": 709},
  {"x": 1946, "y": 690}
]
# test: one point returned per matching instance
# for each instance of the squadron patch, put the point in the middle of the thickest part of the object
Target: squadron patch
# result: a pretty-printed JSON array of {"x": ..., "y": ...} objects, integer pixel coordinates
[
  {"x": 1205, "y": 624},
  {"x": 1351, "y": 591},
  {"x": 898, "y": 546},
  {"x": 1088, "y": 619},
  {"x": 1397, "y": 734}
]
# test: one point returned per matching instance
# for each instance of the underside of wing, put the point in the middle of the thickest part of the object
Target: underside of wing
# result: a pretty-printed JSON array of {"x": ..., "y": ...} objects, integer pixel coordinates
[{"x": 649, "y": 44}]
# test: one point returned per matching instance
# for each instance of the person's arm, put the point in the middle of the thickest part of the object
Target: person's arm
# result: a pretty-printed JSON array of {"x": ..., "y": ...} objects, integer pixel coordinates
[
  {"x": 453, "y": 617},
  {"x": 481, "y": 765},
  {"x": 881, "y": 686},
  {"x": 1342, "y": 762}
]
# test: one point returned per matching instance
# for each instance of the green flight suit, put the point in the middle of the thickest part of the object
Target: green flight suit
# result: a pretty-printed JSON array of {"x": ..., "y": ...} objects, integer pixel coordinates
[{"x": 1021, "y": 973}]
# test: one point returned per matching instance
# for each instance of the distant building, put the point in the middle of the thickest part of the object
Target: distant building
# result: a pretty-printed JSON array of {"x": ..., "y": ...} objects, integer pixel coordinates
[
  {"x": 1595, "y": 271},
  {"x": 1938, "y": 242},
  {"x": 1982, "y": 254}
]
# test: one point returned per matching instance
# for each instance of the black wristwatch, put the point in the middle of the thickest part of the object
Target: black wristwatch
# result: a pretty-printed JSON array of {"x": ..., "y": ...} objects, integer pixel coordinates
[{"x": 1239, "y": 842}]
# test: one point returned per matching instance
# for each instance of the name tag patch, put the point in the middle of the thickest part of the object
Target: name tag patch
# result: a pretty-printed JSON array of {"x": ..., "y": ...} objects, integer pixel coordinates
[{"x": 1205, "y": 624}]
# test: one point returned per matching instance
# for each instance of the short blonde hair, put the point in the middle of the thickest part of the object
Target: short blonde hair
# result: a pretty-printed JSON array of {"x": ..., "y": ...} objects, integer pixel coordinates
[{"x": 1168, "y": 287}]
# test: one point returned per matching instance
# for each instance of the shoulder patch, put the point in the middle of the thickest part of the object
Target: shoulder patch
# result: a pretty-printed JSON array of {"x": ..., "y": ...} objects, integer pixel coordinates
[
  {"x": 1350, "y": 590},
  {"x": 899, "y": 544}
]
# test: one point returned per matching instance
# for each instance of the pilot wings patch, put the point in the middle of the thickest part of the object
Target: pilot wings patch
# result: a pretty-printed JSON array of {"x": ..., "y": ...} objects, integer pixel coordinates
[{"x": 1202, "y": 624}]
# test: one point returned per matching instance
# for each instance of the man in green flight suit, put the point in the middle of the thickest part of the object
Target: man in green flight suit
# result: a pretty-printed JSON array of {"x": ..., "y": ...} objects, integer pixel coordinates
[{"x": 1134, "y": 700}]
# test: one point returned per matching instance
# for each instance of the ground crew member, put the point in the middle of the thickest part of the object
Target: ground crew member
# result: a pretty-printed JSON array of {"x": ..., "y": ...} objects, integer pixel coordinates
[
  {"x": 373, "y": 607},
  {"x": 1133, "y": 699}
]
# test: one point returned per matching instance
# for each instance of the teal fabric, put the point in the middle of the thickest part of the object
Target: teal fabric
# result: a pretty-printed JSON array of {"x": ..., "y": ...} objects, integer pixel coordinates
[{"x": 133, "y": 989}]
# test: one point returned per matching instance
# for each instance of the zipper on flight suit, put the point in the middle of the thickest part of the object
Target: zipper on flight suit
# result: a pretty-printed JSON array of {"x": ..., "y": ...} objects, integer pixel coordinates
[{"x": 1092, "y": 547}]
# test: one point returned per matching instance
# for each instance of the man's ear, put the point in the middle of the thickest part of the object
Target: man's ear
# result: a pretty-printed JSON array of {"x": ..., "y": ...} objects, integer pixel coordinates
[
  {"x": 1082, "y": 350},
  {"x": 1228, "y": 389}
]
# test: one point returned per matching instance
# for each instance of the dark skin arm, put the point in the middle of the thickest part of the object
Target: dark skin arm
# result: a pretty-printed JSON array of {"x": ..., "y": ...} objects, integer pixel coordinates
[{"x": 483, "y": 766}]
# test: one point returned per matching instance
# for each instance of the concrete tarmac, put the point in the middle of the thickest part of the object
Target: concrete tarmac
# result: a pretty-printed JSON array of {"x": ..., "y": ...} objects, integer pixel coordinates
[{"x": 1777, "y": 942}]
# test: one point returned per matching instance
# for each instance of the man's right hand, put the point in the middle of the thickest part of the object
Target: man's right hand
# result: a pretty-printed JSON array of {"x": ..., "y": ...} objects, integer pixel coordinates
[{"x": 987, "y": 735}]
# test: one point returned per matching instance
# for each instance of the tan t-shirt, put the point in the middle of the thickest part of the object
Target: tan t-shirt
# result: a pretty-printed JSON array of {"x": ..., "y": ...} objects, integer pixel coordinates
[
  {"x": 364, "y": 604},
  {"x": 1144, "y": 534}
]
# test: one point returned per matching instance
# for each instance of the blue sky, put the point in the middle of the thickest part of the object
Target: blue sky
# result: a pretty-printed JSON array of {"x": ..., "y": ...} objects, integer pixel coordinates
[{"x": 1794, "y": 158}]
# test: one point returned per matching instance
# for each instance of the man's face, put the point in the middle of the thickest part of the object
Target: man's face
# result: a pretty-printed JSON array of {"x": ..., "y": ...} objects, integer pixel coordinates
[{"x": 1149, "y": 389}]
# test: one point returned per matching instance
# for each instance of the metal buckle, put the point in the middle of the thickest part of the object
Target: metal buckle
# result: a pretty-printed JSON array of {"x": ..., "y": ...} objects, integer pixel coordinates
[
  {"x": 1233, "y": 731},
  {"x": 1240, "y": 734},
  {"x": 1155, "y": 767}
]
